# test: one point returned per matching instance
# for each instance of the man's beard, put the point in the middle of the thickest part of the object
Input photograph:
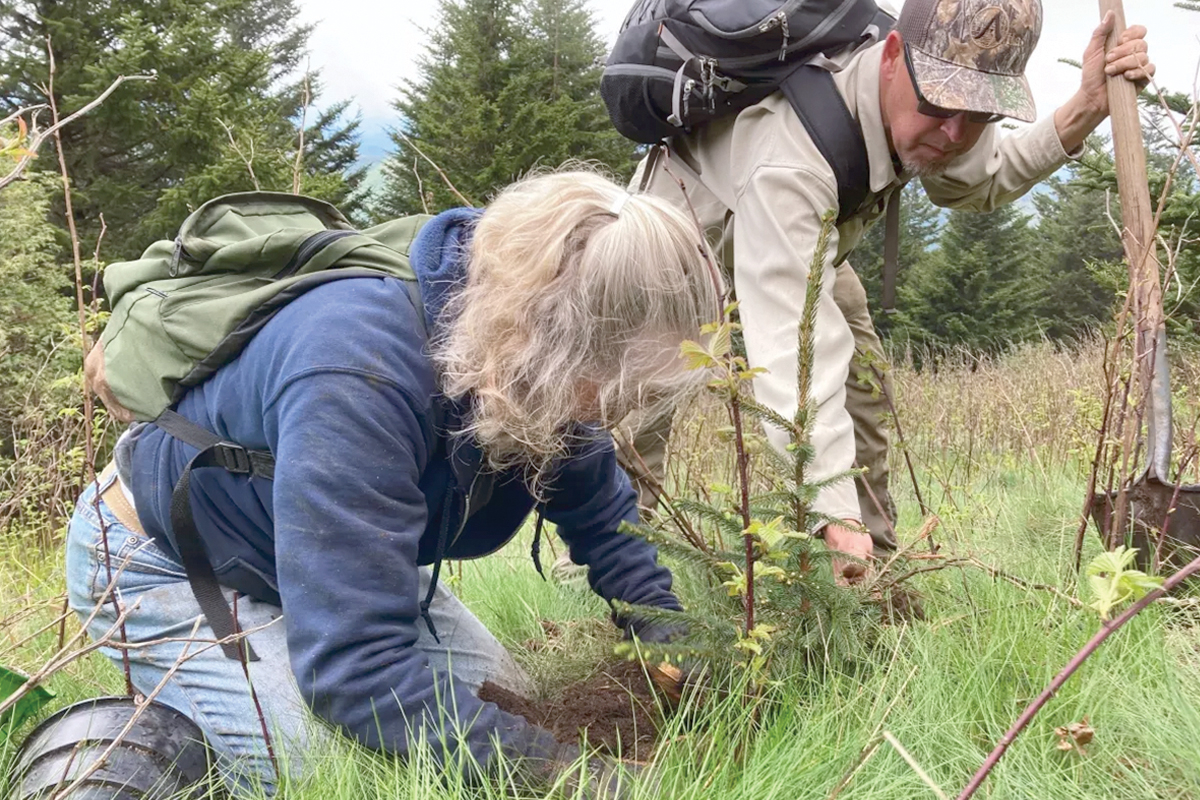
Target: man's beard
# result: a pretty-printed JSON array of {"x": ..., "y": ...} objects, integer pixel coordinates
[{"x": 926, "y": 169}]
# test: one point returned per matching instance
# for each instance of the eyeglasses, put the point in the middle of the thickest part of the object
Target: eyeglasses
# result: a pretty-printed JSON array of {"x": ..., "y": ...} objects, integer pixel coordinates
[{"x": 928, "y": 109}]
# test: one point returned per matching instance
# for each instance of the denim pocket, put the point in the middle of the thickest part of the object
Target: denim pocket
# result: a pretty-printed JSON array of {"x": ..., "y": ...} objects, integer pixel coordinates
[
  {"x": 134, "y": 560},
  {"x": 135, "y": 563},
  {"x": 143, "y": 555}
]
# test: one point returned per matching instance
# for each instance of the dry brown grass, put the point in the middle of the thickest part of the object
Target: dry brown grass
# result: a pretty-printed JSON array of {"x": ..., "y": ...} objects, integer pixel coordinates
[{"x": 1037, "y": 403}]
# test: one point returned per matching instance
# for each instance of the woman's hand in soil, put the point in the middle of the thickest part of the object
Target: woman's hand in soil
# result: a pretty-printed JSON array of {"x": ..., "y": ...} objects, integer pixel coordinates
[{"x": 841, "y": 539}]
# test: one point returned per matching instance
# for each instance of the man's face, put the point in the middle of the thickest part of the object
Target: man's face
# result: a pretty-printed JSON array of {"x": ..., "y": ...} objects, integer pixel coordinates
[{"x": 924, "y": 144}]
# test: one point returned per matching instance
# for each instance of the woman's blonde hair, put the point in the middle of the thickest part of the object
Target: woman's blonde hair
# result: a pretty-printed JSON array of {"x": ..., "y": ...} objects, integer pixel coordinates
[{"x": 577, "y": 298}]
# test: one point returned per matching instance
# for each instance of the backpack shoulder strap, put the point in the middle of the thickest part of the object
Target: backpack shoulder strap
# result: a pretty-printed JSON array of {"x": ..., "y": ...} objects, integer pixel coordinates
[
  {"x": 813, "y": 95},
  {"x": 413, "y": 288},
  {"x": 214, "y": 452},
  {"x": 891, "y": 250}
]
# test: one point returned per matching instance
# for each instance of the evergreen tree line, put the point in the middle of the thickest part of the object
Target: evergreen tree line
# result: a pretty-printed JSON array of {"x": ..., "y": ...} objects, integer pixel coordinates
[
  {"x": 502, "y": 87},
  {"x": 1048, "y": 268}
]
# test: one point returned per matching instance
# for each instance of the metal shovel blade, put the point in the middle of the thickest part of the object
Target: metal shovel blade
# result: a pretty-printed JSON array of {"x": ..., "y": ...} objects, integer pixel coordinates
[
  {"x": 1163, "y": 523},
  {"x": 1163, "y": 519}
]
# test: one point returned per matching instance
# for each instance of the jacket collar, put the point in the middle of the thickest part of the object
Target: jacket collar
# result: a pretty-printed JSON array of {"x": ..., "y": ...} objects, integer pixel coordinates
[
  {"x": 858, "y": 82},
  {"x": 439, "y": 258}
]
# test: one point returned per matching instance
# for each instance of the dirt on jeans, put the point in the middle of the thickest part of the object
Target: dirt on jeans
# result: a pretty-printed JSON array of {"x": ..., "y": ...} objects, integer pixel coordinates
[{"x": 615, "y": 710}]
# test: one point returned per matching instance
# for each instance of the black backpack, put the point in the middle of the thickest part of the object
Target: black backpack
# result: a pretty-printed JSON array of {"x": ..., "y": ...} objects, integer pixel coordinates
[{"x": 677, "y": 64}]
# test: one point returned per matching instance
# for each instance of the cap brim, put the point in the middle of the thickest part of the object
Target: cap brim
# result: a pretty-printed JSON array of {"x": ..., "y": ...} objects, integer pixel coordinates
[{"x": 954, "y": 86}]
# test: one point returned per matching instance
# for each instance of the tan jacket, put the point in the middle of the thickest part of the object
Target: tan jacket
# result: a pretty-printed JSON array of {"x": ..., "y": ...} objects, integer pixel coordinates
[{"x": 762, "y": 167}]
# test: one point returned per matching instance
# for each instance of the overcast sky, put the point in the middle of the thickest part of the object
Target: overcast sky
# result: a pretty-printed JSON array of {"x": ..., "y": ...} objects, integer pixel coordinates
[{"x": 366, "y": 48}]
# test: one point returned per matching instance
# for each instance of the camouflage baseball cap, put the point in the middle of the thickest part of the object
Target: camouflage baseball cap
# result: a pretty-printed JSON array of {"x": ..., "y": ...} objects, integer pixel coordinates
[{"x": 970, "y": 55}]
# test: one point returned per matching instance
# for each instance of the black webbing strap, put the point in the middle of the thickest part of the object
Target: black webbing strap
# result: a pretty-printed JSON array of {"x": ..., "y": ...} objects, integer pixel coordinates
[
  {"x": 466, "y": 473},
  {"x": 836, "y": 133},
  {"x": 438, "y": 555},
  {"x": 214, "y": 452},
  {"x": 891, "y": 250},
  {"x": 652, "y": 159},
  {"x": 535, "y": 549}
]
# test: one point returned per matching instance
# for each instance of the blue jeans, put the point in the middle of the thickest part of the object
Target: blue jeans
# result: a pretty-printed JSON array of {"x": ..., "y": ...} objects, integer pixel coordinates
[{"x": 214, "y": 690}]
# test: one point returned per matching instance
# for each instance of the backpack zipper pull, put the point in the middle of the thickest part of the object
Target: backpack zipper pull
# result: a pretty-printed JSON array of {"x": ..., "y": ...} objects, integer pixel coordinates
[
  {"x": 779, "y": 18},
  {"x": 771, "y": 21},
  {"x": 176, "y": 254},
  {"x": 708, "y": 75}
]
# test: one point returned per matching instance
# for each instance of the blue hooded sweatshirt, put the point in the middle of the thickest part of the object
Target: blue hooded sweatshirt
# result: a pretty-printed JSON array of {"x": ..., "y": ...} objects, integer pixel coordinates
[{"x": 338, "y": 386}]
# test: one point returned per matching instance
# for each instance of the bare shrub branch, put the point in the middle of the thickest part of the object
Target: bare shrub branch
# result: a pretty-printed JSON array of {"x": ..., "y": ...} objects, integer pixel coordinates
[
  {"x": 1072, "y": 666},
  {"x": 298, "y": 167},
  {"x": 445, "y": 178},
  {"x": 39, "y": 137}
]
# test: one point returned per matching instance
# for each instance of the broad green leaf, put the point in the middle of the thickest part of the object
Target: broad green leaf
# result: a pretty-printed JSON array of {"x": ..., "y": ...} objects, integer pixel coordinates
[
  {"x": 10, "y": 682},
  {"x": 768, "y": 532},
  {"x": 1113, "y": 583},
  {"x": 696, "y": 356},
  {"x": 762, "y": 631},
  {"x": 722, "y": 341},
  {"x": 749, "y": 645}
]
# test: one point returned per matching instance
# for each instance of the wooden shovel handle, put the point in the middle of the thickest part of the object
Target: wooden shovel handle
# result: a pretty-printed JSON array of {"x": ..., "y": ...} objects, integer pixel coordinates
[
  {"x": 1137, "y": 218},
  {"x": 1137, "y": 215}
]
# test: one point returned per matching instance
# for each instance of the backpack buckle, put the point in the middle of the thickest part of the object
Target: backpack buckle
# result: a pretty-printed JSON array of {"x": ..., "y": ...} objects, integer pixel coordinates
[{"x": 233, "y": 458}]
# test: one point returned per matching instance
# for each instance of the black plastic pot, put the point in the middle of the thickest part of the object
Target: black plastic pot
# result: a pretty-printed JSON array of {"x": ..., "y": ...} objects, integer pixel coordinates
[{"x": 163, "y": 756}]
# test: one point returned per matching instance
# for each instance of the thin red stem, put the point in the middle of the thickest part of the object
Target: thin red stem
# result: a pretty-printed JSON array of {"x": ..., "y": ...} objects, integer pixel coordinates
[
  {"x": 88, "y": 415},
  {"x": 1072, "y": 666}
]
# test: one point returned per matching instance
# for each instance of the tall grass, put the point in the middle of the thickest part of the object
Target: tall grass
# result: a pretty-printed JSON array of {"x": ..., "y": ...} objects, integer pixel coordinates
[{"x": 1002, "y": 448}]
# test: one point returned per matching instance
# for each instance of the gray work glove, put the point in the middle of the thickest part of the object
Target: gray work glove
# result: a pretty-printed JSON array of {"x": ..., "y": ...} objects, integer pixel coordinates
[
  {"x": 601, "y": 778},
  {"x": 673, "y": 679},
  {"x": 654, "y": 632},
  {"x": 604, "y": 779}
]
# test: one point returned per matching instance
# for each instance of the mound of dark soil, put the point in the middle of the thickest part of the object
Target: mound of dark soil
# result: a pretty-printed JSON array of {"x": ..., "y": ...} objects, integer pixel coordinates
[{"x": 615, "y": 710}]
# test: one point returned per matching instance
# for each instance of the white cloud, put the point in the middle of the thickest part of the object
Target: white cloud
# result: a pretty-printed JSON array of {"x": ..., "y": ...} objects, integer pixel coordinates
[{"x": 367, "y": 48}]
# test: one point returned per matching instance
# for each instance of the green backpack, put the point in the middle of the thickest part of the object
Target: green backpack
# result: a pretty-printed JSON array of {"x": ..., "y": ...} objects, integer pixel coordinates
[{"x": 188, "y": 306}]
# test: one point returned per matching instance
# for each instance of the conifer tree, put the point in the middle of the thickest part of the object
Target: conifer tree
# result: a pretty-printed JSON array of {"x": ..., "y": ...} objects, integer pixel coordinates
[
  {"x": 1179, "y": 223},
  {"x": 503, "y": 87},
  {"x": 1078, "y": 261},
  {"x": 1171, "y": 172},
  {"x": 777, "y": 609},
  {"x": 554, "y": 97},
  {"x": 36, "y": 316},
  {"x": 156, "y": 148},
  {"x": 974, "y": 291},
  {"x": 451, "y": 113}
]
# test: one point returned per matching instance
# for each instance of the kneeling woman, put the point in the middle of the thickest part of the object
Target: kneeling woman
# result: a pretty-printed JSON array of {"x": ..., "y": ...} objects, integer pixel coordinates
[{"x": 549, "y": 316}]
